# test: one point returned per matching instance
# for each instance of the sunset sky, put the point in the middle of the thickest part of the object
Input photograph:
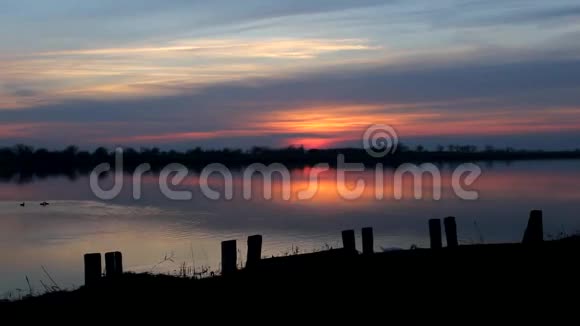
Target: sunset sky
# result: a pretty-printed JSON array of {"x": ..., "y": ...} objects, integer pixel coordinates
[{"x": 184, "y": 73}]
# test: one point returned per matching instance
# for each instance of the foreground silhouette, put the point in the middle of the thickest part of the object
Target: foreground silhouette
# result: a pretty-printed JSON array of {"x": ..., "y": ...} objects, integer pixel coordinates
[
  {"x": 535, "y": 271},
  {"x": 492, "y": 273}
]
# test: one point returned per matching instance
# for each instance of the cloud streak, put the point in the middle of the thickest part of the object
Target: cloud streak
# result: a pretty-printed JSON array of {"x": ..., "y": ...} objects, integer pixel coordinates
[
  {"x": 276, "y": 48},
  {"x": 158, "y": 70}
]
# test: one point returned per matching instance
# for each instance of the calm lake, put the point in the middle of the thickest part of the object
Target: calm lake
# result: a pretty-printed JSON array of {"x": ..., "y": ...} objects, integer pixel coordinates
[{"x": 157, "y": 234}]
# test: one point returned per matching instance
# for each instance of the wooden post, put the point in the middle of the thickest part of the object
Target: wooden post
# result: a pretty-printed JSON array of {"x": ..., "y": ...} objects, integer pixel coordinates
[
  {"x": 368, "y": 241},
  {"x": 229, "y": 256},
  {"x": 451, "y": 232},
  {"x": 92, "y": 268},
  {"x": 254, "y": 250},
  {"x": 118, "y": 262},
  {"x": 110, "y": 264},
  {"x": 435, "y": 233},
  {"x": 348, "y": 241},
  {"x": 535, "y": 231},
  {"x": 113, "y": 263}
]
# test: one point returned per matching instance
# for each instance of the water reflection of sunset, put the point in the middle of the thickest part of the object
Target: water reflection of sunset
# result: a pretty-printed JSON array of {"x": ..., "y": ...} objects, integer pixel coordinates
[
  {"x": 359, "y": 189},
  {"x": 520, "y": 184}
]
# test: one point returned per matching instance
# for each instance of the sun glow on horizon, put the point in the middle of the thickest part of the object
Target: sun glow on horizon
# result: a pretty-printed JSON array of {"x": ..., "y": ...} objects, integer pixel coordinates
[{"x": 328, "y": 125}]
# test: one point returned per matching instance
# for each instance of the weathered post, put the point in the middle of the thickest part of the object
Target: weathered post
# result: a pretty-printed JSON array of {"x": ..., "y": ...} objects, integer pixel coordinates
[
  {"x": 535, "y": 230},
  {"x": 368, "y": 241},
  {"x": 348, "y": 241},
  {"x": 254, "y": 250},
  {"x": 435, "y": 233},
  {"x": 110, "y": 264},
  {"x": 229, "y": 257},
  {"x": 118, "y": 262},
  {"x": 451, "y": 232},
  {"x": 92, "y": 268},
  {"x": 113, "y": 264}
]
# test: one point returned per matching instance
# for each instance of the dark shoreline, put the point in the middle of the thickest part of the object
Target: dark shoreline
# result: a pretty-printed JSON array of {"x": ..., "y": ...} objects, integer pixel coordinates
[
  {"x": 464, "y": 272},
  {"x": 534, "y": 270},
  {"x": 22, "y": 164}
]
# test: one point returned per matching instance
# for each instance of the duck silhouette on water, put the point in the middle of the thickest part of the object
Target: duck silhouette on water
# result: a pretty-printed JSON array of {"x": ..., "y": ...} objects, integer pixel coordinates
[
  {"x": 44, "y": 204},
  {"x": 23, "y": 204}
]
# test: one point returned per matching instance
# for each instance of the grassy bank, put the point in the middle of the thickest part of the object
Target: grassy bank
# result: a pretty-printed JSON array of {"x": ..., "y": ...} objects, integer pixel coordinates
[{"x": 335, "y": 276}]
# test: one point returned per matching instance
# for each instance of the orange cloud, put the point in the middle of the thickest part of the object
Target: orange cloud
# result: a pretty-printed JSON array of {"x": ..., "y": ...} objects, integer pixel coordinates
[
  {"x": 15, "y": 130},
  {"x": 332, "y": 118},
  {"x": 498, "y": 123}
]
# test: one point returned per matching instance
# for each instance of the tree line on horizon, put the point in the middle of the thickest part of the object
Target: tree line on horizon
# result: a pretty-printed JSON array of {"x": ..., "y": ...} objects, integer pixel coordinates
[
  {"x": 26, "y": 162},
  {"x": 73, "y": 155}
]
